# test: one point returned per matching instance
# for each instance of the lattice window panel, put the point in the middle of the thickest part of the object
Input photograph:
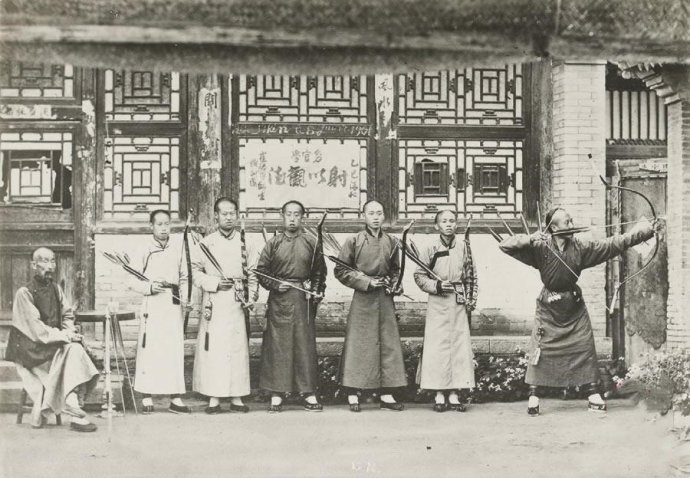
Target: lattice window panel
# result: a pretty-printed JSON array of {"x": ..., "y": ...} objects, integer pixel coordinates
[
  {"x": 635, "y": 116},
  {"x": 141, "y": 174},
  {"x": 35, "y": 80},
  {"x": 311, "y": 188},
  {"x": 36, "y": 167},
  {"x": 307, "y": 99},
  {"x": 472, "y": 96},
  {"x": 142, "y": 96},
  {"x": 481, "y": 177}
]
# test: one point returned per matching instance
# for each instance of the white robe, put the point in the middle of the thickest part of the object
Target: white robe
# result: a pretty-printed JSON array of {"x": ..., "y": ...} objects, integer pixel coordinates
[
  {"x": 160, "y": 364},
  {"x": 223, "y": 369},
  {"x": 447, "y": 359}
]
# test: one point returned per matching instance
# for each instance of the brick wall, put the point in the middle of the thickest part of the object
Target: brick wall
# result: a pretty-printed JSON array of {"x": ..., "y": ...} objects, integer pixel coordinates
[
  {"x": 678, "y": 223},
  {"x": 579, "y": 128}
]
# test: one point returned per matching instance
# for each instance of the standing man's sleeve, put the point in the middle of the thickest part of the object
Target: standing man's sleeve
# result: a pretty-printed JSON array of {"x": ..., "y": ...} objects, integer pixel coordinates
[
  {"x": 597, "y": 252},
  {"x": 353, "y": 279},
  {"x": 520, "y": 247}
]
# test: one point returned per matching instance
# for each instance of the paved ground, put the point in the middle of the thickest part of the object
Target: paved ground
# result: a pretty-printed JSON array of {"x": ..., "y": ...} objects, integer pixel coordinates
[{"x": 492, "y": 440}]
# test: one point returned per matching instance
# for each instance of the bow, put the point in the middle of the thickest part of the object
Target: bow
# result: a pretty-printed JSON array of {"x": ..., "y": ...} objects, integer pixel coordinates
[
  {"x": 318, "y": 249},
  {"x": 245, "y": 276},
  {"x": 656, "y": 246},
  {"x": 188, "y": 261},
  {"x": 403, "y": 245}
]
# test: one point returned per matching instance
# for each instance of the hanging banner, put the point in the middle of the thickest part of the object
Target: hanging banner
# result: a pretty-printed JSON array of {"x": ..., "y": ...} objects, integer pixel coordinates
[{"x": 318, "y": 175}]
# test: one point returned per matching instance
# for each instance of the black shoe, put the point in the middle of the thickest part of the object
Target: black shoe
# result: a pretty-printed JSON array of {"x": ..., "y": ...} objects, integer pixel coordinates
[
  {"x": 597, "y": 407},
  {"x": 313, "y": 407},
  {"x": 179, "y": 409},
  {"x": 458, "y": 407},
  {"x": 354, "y": 407},
  {"x": 533, "y": 411},
  {"x": 440, "y": 407},
  {"x": 275, "y": 408},
  {"x": 147, "y": 409},
  {"x": 239, "y": 408},
  {"x": 395, "y": 406},
  {"x": 88, "y": 427},
  {"x": 212, "y": 410}
]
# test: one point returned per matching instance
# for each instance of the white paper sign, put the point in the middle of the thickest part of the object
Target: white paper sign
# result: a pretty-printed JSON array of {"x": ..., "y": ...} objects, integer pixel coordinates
[{"x": 318, "y": 175}]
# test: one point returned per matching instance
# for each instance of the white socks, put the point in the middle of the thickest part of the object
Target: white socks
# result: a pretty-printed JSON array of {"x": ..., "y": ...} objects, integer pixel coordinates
[
  {"x": 387, "y": 398},
  {"x": 311, "y": 399},
  {"x": 237, "y": 401},
  {"x": 533, "y": 401},
  {"x": 276, "y": 400},
  {"x": 147, "y": 402},
  {"x": 453, "y": 398},
  {"x": 177, "y": 401},
  {"x": 352, "y": 399},
  {"x": 440, "y": 398},
  {"x": 596, "y": 399},
  {"x": 80, "y": 421},
  {"x": 213, "y": 402}
]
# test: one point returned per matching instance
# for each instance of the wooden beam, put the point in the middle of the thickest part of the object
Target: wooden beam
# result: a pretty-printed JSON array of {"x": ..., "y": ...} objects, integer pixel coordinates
[{"x": 84, "y": 203}]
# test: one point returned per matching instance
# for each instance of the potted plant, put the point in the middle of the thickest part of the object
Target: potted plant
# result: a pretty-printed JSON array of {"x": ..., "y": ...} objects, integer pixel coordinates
[{"x": 663, "y": 382}]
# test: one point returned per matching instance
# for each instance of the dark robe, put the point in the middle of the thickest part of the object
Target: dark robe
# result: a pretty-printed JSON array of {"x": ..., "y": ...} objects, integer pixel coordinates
[
  {"x": 568, "y": 357},
  {"x": 372, "y": 354},
  {"x": 288, "y": 353}
]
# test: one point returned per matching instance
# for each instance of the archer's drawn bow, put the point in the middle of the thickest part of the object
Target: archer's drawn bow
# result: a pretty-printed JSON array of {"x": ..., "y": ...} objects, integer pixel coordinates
[{"x": 656, "y": 246}]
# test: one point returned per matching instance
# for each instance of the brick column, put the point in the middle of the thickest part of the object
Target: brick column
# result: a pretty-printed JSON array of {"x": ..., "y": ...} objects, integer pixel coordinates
[
  {"x": 579, "y": 128},
  {"x": 678, "y": 222}
]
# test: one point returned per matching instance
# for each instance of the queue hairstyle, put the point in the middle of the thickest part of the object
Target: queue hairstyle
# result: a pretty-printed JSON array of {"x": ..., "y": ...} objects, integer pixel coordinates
[
  {"x": 293, "y": 201},
  {"x": 223, "y": 199},
  {"x": 152, "y": 216}
]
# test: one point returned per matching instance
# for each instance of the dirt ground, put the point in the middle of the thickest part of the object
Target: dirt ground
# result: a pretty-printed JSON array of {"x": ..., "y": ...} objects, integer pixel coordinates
[{"x": 491, "y": 440}]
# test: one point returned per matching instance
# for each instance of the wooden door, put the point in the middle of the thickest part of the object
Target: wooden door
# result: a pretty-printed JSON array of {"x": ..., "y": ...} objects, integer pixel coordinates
[{"x": 644, "y": 298}]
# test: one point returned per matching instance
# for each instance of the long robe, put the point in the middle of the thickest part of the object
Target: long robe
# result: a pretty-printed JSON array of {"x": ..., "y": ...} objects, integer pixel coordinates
[
  {"x": 447, "y": 358},
  {"x": 568, "y": 357},
  {"x": 160, "y": 361},
  {"x": 41, "y": 321},
  {"x": 372, "y": 354},
  {"x": 288, "y": 353},
  {"x": 221, "y": 363}
]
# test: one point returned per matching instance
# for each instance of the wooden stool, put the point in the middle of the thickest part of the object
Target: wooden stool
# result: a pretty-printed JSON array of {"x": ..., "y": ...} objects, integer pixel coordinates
[{"x": 22, "y": 404}]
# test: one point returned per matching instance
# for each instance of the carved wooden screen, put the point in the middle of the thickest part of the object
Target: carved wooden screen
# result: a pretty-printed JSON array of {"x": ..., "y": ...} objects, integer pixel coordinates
[
  {"x": 304, "y": 138},
  {"x": 462, "y": 136},
  {"x": 144, "y": 120},
  {"x": 33, "y": 82}
]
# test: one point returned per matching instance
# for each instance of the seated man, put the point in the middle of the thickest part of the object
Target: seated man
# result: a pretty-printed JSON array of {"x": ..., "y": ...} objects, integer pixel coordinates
[{"x": 46, "y": 347}]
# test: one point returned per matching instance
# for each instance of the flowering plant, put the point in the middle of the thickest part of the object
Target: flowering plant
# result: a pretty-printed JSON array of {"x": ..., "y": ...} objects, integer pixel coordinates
[{"x": 662, "y": 380}]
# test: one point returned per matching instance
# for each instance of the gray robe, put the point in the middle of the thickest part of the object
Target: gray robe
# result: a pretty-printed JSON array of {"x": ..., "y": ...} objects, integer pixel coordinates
[{"x": 372, "y": 354}]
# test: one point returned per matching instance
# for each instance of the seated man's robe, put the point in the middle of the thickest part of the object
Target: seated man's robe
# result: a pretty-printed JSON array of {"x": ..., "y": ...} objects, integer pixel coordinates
[{"x": 40, "y": 346}]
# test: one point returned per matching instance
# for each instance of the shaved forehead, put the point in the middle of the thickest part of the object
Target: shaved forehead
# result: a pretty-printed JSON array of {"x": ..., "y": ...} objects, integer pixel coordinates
[
  {"x": 440, "y": 214},
  {"x": 42, "y": 253}
]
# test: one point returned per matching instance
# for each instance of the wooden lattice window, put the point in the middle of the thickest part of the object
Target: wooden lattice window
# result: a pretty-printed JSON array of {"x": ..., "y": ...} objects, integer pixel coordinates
[
  {"x": 427, "y": 184},
  {"x": 141, "y": 174},
  {"x": 472, "y": 96},
  {"x": 35, "y": 81},
  {"x": 304, "y": 99},
  {"x": 431, "y": 178},
  {"x": 36, "y": 167},
  {"x": 142, "y": 96}
]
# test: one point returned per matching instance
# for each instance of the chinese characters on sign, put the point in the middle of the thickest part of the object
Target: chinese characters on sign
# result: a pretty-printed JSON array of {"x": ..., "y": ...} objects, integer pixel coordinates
[{"x": 318, "y": 175}]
